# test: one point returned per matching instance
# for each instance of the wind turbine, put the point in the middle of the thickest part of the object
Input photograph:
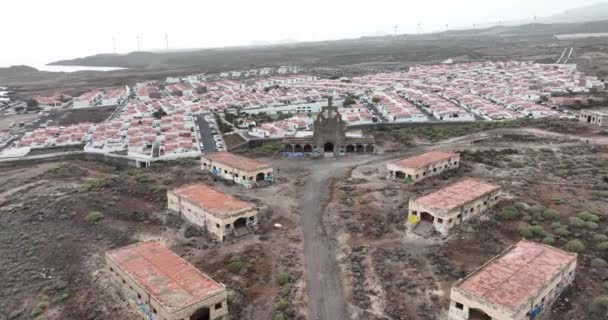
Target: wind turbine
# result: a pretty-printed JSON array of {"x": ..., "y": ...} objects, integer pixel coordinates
[
  {"x": 138, "y": 42},
  {"x": 114, "y": 43},
  {"x": 167, "y": 40},
  {"x": 395, "y": 27},
  {"x": 419, "y": 24}
]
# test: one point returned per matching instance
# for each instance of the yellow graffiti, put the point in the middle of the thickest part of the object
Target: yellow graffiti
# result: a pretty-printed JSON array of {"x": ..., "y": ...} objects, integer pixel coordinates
[{"x": 412, "y": 219}]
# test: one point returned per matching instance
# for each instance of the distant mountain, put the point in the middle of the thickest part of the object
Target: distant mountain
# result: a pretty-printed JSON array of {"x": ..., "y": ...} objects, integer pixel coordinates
[
  {"x": 287, "y": 41},
  {"x": 594, "y": 12},
  {"x": 534, "y": 29}
]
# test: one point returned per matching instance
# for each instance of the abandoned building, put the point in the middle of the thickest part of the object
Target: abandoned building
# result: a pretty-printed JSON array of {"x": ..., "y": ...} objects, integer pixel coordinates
[
  {"x": 446, "y": 208},
  {"x": 329, "y": 137},
  {"x": 220, "y": 214},
  {"x": 594, "y": 117},
  {"x": 519, "y": 284},
  {"x": 422, "y": 166},
  {"x": 161, "y": 285},
  {"x": 242, "y": 170}
]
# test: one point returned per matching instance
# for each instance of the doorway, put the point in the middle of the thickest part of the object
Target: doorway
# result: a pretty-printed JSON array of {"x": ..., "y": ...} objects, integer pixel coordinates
[
  {"x": 328, "y": 147},
  {"x": 476, "y": 314},
  {"x": 240, "y": 223},
  {"x": 426, "y": 217},
  {"x": 400, "y": 175},
  {"x": 260, "y": 176},
  {"x": 200, "y": 314}
]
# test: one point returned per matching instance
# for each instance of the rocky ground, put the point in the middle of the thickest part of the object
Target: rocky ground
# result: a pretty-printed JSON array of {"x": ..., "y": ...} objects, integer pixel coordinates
[
  {"x": 58, "y": 219},
  {"x": 390, "y": 273}
]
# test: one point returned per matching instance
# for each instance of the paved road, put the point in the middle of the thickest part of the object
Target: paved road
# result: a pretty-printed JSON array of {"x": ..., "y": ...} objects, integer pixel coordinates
[
  {"x": 565, "y": 56},
  {"x": 206, "y": 135}
]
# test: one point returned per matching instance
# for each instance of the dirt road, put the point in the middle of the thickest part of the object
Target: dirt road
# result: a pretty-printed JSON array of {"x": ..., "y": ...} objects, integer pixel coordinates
[{"x": 323, "y": 281}]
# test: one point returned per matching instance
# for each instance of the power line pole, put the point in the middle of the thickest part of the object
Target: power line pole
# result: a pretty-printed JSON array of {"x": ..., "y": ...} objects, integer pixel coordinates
[
  {"x": 395, "y": 30},
  {"x": 419, "y": 27}
]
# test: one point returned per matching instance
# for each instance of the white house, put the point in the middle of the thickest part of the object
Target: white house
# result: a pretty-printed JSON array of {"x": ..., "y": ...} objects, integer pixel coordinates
[{"x": 88, "y": 99}]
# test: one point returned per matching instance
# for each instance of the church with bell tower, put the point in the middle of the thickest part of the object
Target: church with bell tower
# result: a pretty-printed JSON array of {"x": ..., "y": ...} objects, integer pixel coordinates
[{"x": 329, "y": 137}]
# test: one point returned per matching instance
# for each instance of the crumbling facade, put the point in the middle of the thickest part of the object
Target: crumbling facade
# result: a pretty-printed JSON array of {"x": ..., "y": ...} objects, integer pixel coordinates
[
  {"x": 519, "y": 284},
  {"x": 220, "y": 214},
  {"x": 448, "y": 207},
  {"x": 422, "y": 166},
  {"x": 329, "y": 137},
  {"x": 242, "y": 170},
  {"x": 161, "y": 285},
  {"x": 597, "y": 118}
]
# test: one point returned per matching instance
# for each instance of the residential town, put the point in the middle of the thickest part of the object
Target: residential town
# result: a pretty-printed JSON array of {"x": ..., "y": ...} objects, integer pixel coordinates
[
  {"x": 225, "y": 197},
  {"x": 436, "y": 93}
]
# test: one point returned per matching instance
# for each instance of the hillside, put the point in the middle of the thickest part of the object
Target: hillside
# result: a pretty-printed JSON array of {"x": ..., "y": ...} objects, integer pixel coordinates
[
  {"x": 407, "y": 48},
  {"x": 590, "y": 13}
]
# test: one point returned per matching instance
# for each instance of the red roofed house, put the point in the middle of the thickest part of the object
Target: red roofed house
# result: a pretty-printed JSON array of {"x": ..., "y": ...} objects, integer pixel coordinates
[
  {"x": 161, "y": 285},
  {"x": 453, "y": 205},
  {"x": 428, "y": 164},
  {"x": 519, "y": 284},
  {"x": 242, "y": 170},
  {"x": 220, "y": 214}
]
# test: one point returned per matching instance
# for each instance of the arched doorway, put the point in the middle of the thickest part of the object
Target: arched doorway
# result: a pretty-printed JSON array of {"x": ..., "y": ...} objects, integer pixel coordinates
[
  {"x": 328, "y": 147},
  {"x": 350, "y": 148},
  {"x": 240, "y": 223},
  {"x": 307, "y": 148},
  {"x": 298, "y": 148},
  {"x": 360, "y": 148},
  {"x": 426, "y": 217},
  {"x": 400, "y": 175},
  {"x": 260, "y": 176},
  {"x": 476, "y": 314},
  {"x": 288, "y": 148},
  {"x": 369, "y": 148},
  {"x": 200, "y": 314}
]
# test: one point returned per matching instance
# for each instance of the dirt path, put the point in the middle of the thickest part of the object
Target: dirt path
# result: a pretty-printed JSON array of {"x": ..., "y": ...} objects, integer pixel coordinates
[{"x": 323, "y": 281}]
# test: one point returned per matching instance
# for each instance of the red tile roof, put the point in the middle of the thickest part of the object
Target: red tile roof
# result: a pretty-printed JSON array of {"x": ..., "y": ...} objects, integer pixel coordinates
[
  {"x": 237, "y": 162},
  {"x": 211, "y": 200},
  {"x": 168, "y": 278},
  {"x": 514, "y": 276},
  {"x": 457, "y": 194},
  {"x": 425, "y": 159}
]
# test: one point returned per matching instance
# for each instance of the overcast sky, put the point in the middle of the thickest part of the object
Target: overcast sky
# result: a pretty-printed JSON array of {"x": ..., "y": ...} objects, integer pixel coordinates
[{"x": 41, "y": 31}]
